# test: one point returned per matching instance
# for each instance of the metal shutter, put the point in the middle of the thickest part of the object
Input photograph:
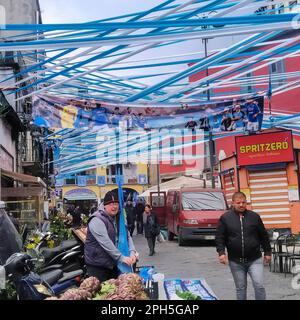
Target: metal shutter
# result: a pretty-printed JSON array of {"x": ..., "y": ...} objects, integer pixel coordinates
[
  {"x": 229, "y": 187},
  {"x": 270, "y": 198}
]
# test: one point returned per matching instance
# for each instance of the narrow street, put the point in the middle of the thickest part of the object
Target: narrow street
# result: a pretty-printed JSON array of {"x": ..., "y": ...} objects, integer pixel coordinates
[{"x": 199, "y": 260}]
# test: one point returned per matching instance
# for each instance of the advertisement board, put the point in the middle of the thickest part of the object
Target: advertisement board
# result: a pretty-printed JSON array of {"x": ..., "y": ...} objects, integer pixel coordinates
[{"x": 264, "y": 148}]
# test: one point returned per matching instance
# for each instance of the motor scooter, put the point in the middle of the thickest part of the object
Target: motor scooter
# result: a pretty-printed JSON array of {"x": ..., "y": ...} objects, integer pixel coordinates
[
  {"x": 19, "y": 270},
  {"x": 67, "y": 256}
]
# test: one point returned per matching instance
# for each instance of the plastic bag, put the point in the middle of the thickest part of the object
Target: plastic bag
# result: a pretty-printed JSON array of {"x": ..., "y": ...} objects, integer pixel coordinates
[
  {"x": 160, "y": 237},
  {"x": 10, "y": 239}
]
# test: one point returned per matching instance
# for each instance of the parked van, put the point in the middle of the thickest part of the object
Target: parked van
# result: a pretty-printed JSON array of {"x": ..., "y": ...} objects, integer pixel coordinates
[{"x": 193, "y": 213}]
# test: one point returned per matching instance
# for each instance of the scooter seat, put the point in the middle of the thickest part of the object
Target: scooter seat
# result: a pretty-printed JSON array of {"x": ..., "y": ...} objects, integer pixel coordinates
[
  {"x": 52, "y": 277},
  {"x": 64, "y": 246},
  {"x": 68, "y": 244},
  {"x": 48, "y": 254},
  {"x": 70, "y": 275}
]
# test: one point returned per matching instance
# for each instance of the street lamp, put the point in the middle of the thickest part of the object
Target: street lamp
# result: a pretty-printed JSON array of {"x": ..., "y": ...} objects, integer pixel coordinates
[{"x": 211, "y": 143}]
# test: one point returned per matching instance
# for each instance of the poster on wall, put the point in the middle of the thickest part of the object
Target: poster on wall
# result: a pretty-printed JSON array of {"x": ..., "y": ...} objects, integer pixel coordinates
[{"x": 221, "y": 116}]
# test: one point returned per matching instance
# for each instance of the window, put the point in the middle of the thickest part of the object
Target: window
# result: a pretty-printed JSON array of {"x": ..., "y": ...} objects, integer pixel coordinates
[
  {"x": 247, "y": 86},
  {"x": 176, "y": 154},
  {"x": 292, "y": 4},
  {"x": 208, "y": 201},
  {"x": 277, "y": 68},
  {"x": 70, "y": 181},
  {"x": 111, "y": 173}
]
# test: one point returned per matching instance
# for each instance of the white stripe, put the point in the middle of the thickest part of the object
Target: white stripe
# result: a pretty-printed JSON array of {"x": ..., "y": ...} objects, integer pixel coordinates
[
  {"x": 270, "y": 179},
  {"x": 266, "y": 204},
  {"x": 269, "y": 198},
  {"x": 273, "y": 210},
  {"x": 229, "y": 194},
  {"x": 229, "y": 183},
  {"x": 269, "y": 173},
  {"x": 274, "y": 216},
  {"x": 268, "y": 185},
  {"x": 227, "y": 189},
  {"x": 270, "y": 191},
  {"x": 277, "y": 222}
]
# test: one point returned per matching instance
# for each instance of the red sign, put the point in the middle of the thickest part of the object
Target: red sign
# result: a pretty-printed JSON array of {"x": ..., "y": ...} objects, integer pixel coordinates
[{"x": 264, "y": 148}]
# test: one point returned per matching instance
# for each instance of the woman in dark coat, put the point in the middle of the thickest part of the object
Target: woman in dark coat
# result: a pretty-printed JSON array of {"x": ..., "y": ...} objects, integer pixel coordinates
[{"x": 151, "y": 228}]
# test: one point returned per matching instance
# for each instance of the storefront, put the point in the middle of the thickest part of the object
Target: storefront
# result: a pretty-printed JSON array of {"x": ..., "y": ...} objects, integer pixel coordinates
[
  {"x": 265, "y": 167},
  {"x": 24, "y": 200}
]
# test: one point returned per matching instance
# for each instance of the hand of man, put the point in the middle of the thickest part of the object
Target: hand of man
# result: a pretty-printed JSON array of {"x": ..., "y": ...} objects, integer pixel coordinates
[
  {"x": 127, "y": 260},
  {"x": 223, "y": 259},
  {"x": 133, "y": 258},
  {"x": 267, "y": 259}
]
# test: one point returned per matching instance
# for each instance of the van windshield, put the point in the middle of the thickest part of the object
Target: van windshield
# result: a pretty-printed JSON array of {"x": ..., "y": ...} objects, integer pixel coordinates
[{"x": 195, "y": 201}]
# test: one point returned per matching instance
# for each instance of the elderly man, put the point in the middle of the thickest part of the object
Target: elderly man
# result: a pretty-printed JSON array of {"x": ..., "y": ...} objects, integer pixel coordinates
[{"x": 100, "y": 250}]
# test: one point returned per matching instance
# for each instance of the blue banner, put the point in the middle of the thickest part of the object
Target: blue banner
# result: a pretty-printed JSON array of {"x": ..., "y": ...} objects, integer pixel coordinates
[{"x": 221, "y": 116}]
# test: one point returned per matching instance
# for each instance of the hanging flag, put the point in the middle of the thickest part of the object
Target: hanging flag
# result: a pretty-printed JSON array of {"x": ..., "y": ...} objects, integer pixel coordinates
[
  {"x": 123, "y": 233},
  {"x": 269, "y": 91}
]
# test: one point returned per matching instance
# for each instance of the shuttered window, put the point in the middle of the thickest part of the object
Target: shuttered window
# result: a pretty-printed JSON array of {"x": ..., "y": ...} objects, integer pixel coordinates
[{"x": 270, "y": 198}]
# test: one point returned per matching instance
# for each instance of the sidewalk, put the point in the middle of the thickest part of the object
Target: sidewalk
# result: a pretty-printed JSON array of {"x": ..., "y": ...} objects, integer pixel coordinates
[{"x": 199, "y": 260}]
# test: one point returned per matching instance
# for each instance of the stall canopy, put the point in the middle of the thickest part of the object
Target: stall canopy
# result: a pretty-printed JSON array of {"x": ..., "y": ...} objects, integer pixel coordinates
[
  {"x": 23, "y": 178},
  {"x": 80, "y": 194},
  {"x": 180, "y": 182}
]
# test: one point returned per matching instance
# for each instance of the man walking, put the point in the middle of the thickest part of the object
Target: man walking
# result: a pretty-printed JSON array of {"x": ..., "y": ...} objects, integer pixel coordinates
[{"x": 243, "y": 234}]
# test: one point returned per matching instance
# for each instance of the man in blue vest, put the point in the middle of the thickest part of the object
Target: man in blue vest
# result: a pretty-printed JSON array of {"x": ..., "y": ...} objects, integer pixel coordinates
[{"x": 100, "y": 251}]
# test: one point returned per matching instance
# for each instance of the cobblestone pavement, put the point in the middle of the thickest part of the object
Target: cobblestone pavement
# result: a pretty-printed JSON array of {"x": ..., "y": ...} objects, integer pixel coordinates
[{"x": 199, "y": 259}]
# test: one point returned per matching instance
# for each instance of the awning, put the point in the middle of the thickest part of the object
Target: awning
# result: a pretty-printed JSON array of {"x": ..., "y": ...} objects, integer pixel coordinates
[
  {"x": 181, "y": 182},
  {"x": 25, "y": 178},
  {"x": 80, "y": 194}
]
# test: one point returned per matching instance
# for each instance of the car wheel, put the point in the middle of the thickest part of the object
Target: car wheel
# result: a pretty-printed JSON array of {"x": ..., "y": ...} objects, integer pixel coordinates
[{"x": 181, "y": 241}]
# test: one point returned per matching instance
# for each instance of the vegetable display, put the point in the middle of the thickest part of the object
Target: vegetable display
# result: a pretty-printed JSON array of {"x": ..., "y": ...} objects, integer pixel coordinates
[{"x": 126, "y": 287}]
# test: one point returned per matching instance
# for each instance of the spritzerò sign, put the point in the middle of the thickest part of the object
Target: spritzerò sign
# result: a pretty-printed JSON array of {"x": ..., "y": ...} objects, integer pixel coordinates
[{"x": 265, "y": 148}]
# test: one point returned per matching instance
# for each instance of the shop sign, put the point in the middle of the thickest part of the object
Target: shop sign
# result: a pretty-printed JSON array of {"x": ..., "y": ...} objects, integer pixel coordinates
[{"x": 264, "y": 148}]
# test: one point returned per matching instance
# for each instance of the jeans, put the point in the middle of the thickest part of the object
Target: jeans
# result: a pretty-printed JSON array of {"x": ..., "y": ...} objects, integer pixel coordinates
[
  {"x": 151, "y": 244},
  {"x": 239, "y": 272}
]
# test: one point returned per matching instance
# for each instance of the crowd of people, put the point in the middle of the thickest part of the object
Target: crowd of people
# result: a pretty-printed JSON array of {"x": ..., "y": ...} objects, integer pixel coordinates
[{"x": 242, "y": 116}]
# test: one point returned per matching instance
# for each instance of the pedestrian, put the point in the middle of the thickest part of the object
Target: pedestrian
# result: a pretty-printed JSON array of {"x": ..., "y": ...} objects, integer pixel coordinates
[
  {"x": 100, "y": 250},
  {"x": 139, "y": 210},
  {"x": 76, "y": 217},
  {"x": 242, "y": 233},
  {"x": 151, "y": 228},
  {"x": 130, "y": 216}
]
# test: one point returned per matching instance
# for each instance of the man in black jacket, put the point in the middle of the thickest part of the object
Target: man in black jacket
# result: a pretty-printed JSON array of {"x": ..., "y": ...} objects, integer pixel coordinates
[{"x": 243, "y": 234}]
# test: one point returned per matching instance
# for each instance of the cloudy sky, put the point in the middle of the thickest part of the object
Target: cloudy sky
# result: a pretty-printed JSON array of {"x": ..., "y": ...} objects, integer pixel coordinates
[
  {"x": 68, "y": 11},
  {"x": 77, "y": 11}
]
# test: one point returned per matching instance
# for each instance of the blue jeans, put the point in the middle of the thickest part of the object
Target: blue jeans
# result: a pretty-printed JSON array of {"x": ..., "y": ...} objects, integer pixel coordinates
[{"x": 239, "y": 272}]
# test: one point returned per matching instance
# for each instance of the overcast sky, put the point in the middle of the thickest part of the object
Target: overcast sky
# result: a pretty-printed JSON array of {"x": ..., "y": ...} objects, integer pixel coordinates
[
  {"x": 80, "y": 11},
  {"x": 67, "y": 11}
]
